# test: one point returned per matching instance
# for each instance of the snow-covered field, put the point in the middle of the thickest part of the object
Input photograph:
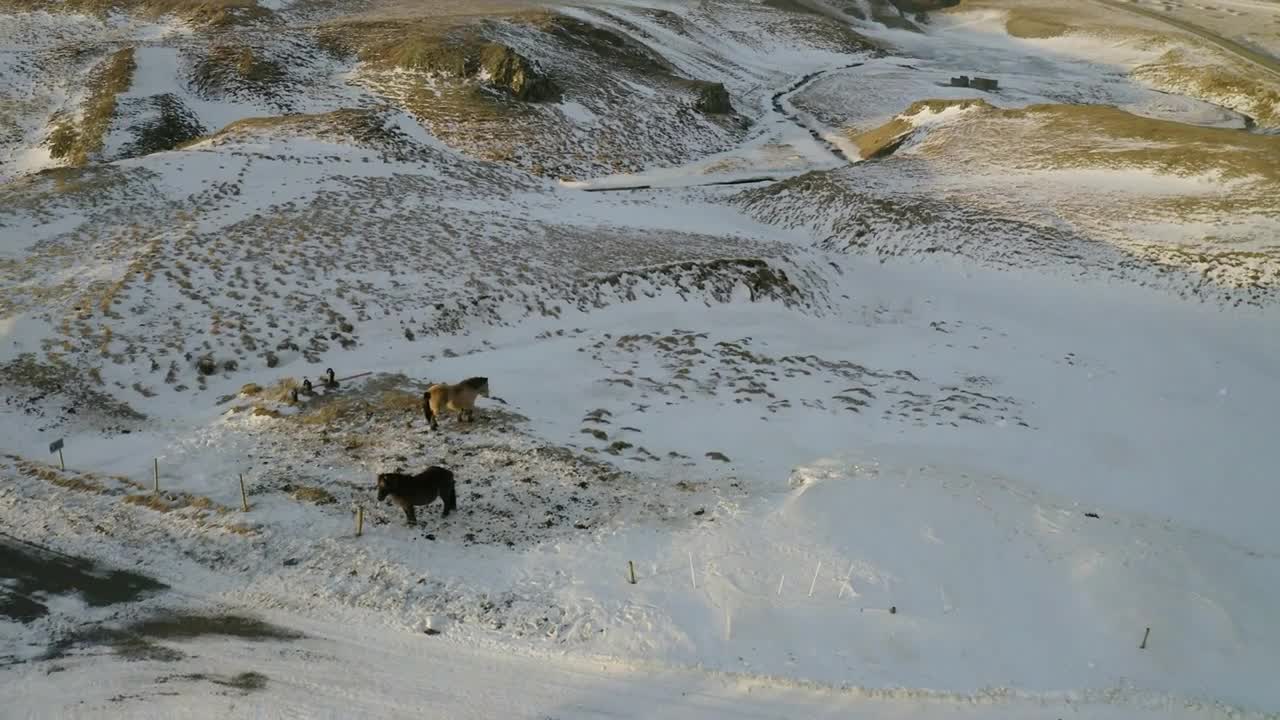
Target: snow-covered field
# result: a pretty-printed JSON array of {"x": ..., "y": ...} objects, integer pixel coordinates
[{"x": 988, "y": 466}]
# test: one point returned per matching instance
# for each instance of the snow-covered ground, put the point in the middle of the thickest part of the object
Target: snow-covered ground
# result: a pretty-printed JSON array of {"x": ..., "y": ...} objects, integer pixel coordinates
[
  {"x": 848, "y": 483},
  {"x": 350, "y": 667}
]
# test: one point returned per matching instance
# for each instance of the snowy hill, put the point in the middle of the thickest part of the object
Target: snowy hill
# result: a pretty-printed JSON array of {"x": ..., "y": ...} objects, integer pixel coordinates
[{"x": 899, "y": 399}]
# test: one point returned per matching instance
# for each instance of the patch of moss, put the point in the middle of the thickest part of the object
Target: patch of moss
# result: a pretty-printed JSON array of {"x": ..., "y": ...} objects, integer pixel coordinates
[
  {"x": 185, "y": 626},
  {"x": 56, "y": 378},
  {"x": 1089, "y": 136},
  {"x": 215, "y": 13},
  {"x": 363, "y": 127},
  {"x": 881, "y": 141},
  {"x": 78, "y": 142},
  {"x": 1102, "y": 135},
  {"x": 719, "y": 278},
  {"x": 173, "y": 126},
  {"x": 1037, "y": 23},
  {"x": 231, "y": 67},
  {"x": 1248, "y": 93},
  {"x": 406, "y": 46},
  {"x": 245, "y": 681}
]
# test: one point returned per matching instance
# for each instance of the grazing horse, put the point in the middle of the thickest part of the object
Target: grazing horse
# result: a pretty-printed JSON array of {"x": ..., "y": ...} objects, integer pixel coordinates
[
  {"x": 460, "y": 397},
  {"x": 421, "y": 489}
]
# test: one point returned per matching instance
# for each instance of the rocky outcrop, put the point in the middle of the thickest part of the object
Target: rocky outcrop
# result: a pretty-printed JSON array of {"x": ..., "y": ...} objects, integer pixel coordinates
[
  {"x": 712, "y": 98},
  {"x": 458, "y": 53},
  {"x": 505, "y": 69}
]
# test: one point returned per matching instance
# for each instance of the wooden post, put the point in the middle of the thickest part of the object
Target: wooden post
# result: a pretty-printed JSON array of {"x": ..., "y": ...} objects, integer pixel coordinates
[
  {"x": 244, "y": 496},
  {"x": 359, "y": 520},
  {"x": 157, "y": 473},
  {"x": 693, "y": 579},
  {"x": 1145, "y": 635},
  {"x": 631, "y": 570},
  {"x": 61, "y": 464}
]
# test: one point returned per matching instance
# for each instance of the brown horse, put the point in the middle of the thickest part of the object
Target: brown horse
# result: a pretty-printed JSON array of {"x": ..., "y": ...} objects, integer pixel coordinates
[
  {"x": 460, "y": 397},
  {"x": 421, "y": 489}
]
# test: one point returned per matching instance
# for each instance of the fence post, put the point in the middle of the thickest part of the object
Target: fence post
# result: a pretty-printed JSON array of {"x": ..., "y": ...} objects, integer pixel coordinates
[
  {"x": 815, "y": 578},
  {"x": 631, "y": 570},
  {"x": 157, "y": 473},
  {"x": 244, "y": 497},
  {"x": 359, "y": 520}
]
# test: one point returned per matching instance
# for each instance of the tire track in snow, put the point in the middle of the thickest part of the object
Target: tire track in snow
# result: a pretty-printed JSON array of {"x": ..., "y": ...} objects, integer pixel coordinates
[{"x": 783, "y": 110}]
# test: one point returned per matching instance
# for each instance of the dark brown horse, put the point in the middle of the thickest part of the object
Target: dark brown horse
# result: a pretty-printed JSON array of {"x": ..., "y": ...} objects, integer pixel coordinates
[{"x": 421, "y": 489}]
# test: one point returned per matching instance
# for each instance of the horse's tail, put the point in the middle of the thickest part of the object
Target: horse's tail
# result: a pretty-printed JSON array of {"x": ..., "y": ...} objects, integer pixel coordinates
[
  {"x": 426, "y": 407},
  {"x": 450, "y": 497}
]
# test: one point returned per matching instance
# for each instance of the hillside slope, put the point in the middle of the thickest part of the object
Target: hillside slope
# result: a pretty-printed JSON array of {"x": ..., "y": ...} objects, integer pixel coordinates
[{"x": 897, "y": 398}]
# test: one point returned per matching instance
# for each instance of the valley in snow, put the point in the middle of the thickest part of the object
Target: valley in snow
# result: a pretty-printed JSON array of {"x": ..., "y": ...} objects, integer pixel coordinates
[{"x": 898, "y": 399}]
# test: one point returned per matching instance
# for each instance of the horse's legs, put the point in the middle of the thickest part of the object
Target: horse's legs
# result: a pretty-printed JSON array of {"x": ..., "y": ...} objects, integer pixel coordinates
[{"x": 407, "y": 505}]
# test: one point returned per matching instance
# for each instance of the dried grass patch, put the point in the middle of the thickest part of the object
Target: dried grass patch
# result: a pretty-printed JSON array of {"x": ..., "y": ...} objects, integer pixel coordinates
[
  {"x": 70, "y": 479},
  {"x": 313, "y": 495}
]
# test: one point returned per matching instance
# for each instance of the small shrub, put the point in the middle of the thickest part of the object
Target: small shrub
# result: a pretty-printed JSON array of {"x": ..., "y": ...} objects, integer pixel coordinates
[
  {"x": 112, "y": 77},
  {"x": 206, "y": 365},
  {"x": 154, "y": 501},
  {"x": 69, "y": 479},
  {"x": 314, "y": 495}
]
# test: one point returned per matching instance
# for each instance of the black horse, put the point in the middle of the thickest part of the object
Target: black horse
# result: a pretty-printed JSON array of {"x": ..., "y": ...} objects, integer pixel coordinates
[{"x": 421, "y": 489}]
